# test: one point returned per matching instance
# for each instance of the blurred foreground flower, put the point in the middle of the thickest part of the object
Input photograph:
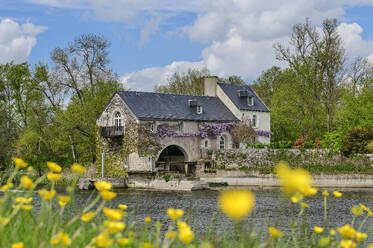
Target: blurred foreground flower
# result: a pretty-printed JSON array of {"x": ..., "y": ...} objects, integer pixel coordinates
[
  {"x": 236, "y": 204},
  {"x": 337, "y": 194},
  {"x": 27, "y": 183},
  {"x": 274, "y": 232},
  {"x": 63, "y": 200},
  {"x": 20, "y": 163},
  {"x": 61, "y": 238},
  {"x": 318, "y": 229},
  {"x": 113, "y": 214},
  {"x": 102, "y": 186},
  {"x": 88, "y": 216},
  {"x": 53, "y": 167},
  {"x": 175, "y": 214},
  {"x": 46, "y": 195},
  {"x": 347, "y": 231},
  {"x": 18, "y": 245},
  {"x": 77, "y": 168},
  {"x": 53, "y": 177}
]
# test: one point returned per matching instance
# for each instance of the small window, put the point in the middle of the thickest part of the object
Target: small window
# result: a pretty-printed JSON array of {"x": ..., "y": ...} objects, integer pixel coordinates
[
  {"x": 206, "y": 143},
  {"x": 222, "y": 143},
  {"x": 118, "y": 120},
  {"x": 152, "y": 127},
  {"x": 254, "y": 121},
  {"x": 250, "y": 100},
  {"x": 199, "y": 109}
]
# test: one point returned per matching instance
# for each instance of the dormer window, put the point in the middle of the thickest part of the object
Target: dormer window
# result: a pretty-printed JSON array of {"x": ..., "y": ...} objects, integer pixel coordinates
[
  {"x": 199, "y": 109},
  {"x": 250, "y": 100},
  {"x": 118, "y": 120}
]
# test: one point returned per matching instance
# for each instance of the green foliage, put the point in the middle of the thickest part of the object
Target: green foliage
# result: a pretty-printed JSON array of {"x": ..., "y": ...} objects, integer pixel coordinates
[
  {"x": 167, "y": 177},
  {"x": 332, "y": 141},
  {"x": 356, "y": 141}
]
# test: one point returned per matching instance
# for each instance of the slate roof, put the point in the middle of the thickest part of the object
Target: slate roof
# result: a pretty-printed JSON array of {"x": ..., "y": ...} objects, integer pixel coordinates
[
  {"x": 160, "y": 106},
  {"x": 241, "y": 102}
]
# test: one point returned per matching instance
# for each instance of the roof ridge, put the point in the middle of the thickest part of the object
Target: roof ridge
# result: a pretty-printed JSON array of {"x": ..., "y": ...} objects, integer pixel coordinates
[{"x": 161, "y": 93}]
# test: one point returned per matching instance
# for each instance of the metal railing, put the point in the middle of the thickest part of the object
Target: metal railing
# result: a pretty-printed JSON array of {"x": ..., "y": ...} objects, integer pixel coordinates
[{"x": 111, "y": 132}]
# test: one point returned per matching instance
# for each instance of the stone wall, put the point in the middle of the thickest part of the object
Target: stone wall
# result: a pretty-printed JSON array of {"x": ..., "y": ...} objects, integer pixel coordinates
[{"x": 262, "y": 158}]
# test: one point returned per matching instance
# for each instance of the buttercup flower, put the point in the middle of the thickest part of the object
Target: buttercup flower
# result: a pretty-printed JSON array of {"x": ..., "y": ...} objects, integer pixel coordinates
[
  {"x": 325, "y": 193},
  {"x": 61, "y": 238},
  {"x": 63, "y": 200},
  {"x": 103, "y": 186},
  {"x": 122, "y": 206},
  {"x": 147, "y": 245},
  {"x": 18, "y": 245},
  {"x": 337, "y": 194},
  {"x": 361, "y": 236},
  {"x": 53, "y": 177},
  {"x": 175, "y": 214},
  {"x": 304, "y": 205},
  {"x": 88, "y": 216},
  {"x": 236, "y": 204},
  {"x": 4, "y": 221},
  {"x": 123, "y": 241},
  {"x": 114, "y": 226},
  {"x": 46, "y": 195},
  {"x": 27, "y": 183},
  {"x": 318, "y": 229},
  {"x": 186, "y": 235},
  {"x": 113, "y": 214},
  {"x": 102, "y": 240},
  {"x": 357, "y": 210},
  {"x": 147, "y": 219},
  {"x": 107, "y": 195},
  {"x": 6, "y": 187},
  {"x": 347, "y": 244},
  {"x": 19, "y": 162},
  {"x": 53, "y": 167},
  {"x": 77, "y": 168},
  {"x": 347, "y": 231},
  {"x": 171, "y": 234},
  {"x": 274, "y": 232},
  {"x": 324, "y": 241},
  {"x": 23, "y": 200}
]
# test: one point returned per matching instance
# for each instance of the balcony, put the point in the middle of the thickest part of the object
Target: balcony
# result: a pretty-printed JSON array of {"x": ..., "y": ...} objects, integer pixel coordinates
[{"x": 112, "y": 132}]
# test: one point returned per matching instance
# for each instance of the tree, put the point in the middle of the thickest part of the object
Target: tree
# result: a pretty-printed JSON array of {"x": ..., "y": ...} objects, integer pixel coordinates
[
  {"x": 268, "y": 83},
  {"x": 191, "y": 83}
]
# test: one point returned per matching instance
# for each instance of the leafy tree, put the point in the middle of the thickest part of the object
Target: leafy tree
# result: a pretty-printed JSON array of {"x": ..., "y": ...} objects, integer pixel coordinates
[{"x": 268, "y": 83}]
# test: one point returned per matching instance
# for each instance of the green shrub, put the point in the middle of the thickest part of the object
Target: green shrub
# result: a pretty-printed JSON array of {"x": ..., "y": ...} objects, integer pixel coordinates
[
  {"x": 167, "y": 177},
  {"x": 356, "y": 141},
  {"x": 258, "y": 145},
  {"x": 332, "y": 141}
]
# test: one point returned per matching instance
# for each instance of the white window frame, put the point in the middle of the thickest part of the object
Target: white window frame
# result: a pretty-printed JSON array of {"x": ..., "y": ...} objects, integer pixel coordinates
[
  {"x": 199, "y": 109},
  {"x": 118, "y": 120},
  {"x": 250, "y": 100}
]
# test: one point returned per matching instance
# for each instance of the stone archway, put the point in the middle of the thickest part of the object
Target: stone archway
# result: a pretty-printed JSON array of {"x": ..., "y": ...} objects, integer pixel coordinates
[{"x": 172, "y": 158}]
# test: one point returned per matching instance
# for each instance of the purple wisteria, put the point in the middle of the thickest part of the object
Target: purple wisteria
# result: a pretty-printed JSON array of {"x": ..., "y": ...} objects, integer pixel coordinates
[{"x": 205, "y": 130}]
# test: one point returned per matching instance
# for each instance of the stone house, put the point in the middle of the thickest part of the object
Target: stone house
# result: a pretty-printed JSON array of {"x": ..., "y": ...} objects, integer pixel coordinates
[{"x": 144, "y": 131}]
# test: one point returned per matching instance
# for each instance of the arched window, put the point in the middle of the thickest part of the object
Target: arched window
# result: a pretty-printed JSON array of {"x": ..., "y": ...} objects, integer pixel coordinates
[
  {"x": 118, "y": 120},
  {"x": 222, "y": 143}
]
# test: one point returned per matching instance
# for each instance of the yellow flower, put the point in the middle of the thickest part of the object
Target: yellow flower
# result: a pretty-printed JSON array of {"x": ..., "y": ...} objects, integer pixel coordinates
[
  {"x": 103, "y": 186},
  {"x": 147, "y": 245},
  {"x": 63, "y": 200},
  {"x": 4, "y": 221},
  {"x": 363, "y": 207},
  {"x": 113, "y": 214},
  {"x": 6, "y": 187},
  {"x": 27, "y": 183},
  {"x": 171, "y": 234},
  {"x": 325, "y": 193},
  {"x": 53, "y": 167},
  {"x": 53, "y": 177},
  {"x": 318, "y": 229},
  {"x": 324, "y": 241},
  {"x": 293, "y": 181},
  {"x": 361, "y": 236},
  {"x": 347, "y": 231},
  {"x": 332, "y": 232},
  {"x": 123, "y": 241},
  {"x": 107, "y": 195},
  {"x": 236, "y": 204},
  {"x": 88, "y": 216},
  {"x": 27, "y": 207},
  {"x": 102, "y": 240},
  {"x": 46, "y": 195},
  {"x": 18, "y": 245},
  {"x": 148, "y": 219},
  {"x": 77, "y": 168},
  {"x": 19, "y": 162},
  {"x": 296, "y": 198},
  {"x": 122, "y": 206},
  {"x": 304, "y": 205},
  {"x": 274, "y": 232},
  {"x": 61, "y": 238},
  {"x": 186, "y": 235},
  {"x": 337, "y": 194},
  {"x": 175, "y": 214},
  {"x": 347, "y": 244},
  {"x": 114, "y": 226},
  {"x": 357, "y": 210},
  {"x": 23, "y": 200}
]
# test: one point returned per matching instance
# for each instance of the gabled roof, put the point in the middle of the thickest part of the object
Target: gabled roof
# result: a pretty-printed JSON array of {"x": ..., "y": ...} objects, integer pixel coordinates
[
  {"x": 160, "y": 106},
  {"x": 231, "y": 90}
]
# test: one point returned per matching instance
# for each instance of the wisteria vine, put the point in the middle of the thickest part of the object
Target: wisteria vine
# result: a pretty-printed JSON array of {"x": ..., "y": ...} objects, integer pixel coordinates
[{"x": 205, "y": 130}]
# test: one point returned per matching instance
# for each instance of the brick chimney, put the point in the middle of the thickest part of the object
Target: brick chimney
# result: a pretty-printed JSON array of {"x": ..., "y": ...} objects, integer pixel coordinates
[{"x": 210, "y": 85}]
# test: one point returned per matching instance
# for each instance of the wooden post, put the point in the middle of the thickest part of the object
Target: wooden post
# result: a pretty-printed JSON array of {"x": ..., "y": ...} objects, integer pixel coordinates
[
  {"x": 103, "y": 164},
  {"x": 186, "y": 168}
]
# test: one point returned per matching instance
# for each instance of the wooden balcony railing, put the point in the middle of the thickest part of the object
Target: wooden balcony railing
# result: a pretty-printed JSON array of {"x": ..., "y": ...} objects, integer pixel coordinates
[{"x": 111, "y": 132}]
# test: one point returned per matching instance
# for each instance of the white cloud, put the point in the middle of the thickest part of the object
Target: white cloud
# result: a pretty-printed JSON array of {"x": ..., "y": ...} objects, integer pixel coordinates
[{"x": 16, "y": 41}]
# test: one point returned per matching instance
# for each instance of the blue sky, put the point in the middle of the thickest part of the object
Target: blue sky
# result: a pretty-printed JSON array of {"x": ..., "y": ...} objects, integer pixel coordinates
[{"x": 151, "y": 39}]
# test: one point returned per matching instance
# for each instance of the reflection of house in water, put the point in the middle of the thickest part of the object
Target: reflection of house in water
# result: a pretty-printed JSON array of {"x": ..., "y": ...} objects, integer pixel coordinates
[{"x": 175, "y": 132}]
